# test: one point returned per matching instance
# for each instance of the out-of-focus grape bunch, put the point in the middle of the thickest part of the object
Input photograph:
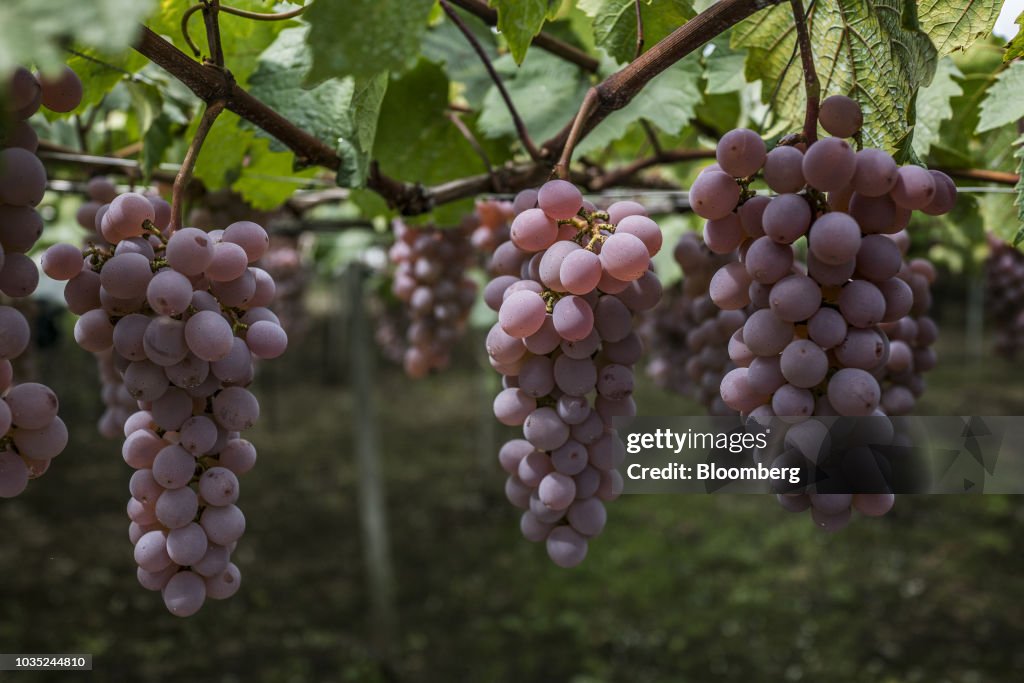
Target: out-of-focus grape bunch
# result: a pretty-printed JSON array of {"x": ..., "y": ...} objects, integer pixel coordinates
[
  {"x": 183, "y": 314},
  {"x": 430, "y": 279},
  {"x": 31, "y": 433},
  {"x": 686, "y": 335},
  {"x": 1004, "y": 295},
  {"x": 490, "y": 224},
  {"x": 817, "y": 341},
  {"x": 566, "y": 287}
]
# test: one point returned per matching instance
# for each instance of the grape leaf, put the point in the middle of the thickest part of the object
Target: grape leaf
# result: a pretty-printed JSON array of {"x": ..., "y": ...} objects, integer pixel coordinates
[
  {"x": 669, "y": 102},
  {"x": 100, "y": 74},
  {"x": 723, "y": 68},
  {"x": 445, "y": 44},
  {"x": 362, "y": 38},
  {"x": 242, "y": 40},
  {"x": 933, "y": 105},
  {"x": 33, "y": 32},
  {"x": 615, "y": 26},
  {"x": 1003, "y": 102},
  {"x": 956, "y": 24},
  {"x": 415, "y": 141},
  {"x": 155, "y": 143},
  {"x": 1015, "y": 48},
  {"x": 223, "y": 150},
  {"x": 520, "y": 20},
  {"x": 545, "y": 89},
  {"x": 871, "y": 51},
  {"x": 264, "y": 181}
]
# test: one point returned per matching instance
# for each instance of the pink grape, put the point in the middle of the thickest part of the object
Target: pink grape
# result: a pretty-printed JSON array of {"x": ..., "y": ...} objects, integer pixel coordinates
[{"x": 559, "y": 199}]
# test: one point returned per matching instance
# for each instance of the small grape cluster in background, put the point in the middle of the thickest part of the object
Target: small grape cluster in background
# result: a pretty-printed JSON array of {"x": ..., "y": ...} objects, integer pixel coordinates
[
  {"x": 566, "y": 287},
  {"x": 845, "y": 333},
  {"x": 1004, "y": 281},
  {"x": 686, "y": 335},
  {"x": 183, "y": 314},
  {"x": 31, "y": 433}
]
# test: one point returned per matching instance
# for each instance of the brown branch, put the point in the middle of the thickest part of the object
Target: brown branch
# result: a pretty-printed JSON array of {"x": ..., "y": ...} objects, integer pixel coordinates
[
  {"x": 210, "y": 10},
  {"x": 617, "y": 176},
  {"x": 619, "y": 89},
  {"x": 639, "y": 30},
  {"x": 521, "y": 131},
  {"x": 983, "y": 175},
  {"x": 184, "y": 177},
  {"x": 544, "y": 41},
  {"x": 811, "y": 85},
  {"x": 590, "y": 102}
]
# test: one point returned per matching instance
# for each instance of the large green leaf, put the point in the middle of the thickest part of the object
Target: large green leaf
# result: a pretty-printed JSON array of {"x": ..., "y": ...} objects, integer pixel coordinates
[
  {"x": 956, "y": 24},
  {"x": 445, "y": 44},
  {"x": 615, "y": 26},
  {"x": 1004, "y": 101},
  {"x": 362, "y": 38},
  {"x": 669, "y": 102},
  {"x": 223, "y": 150},
  {"x": 415, "y": 141},
  {"x": 34, "y": 32},
  {"x": 545, "y": 89},
  {"x": 1015, "y": 48},
  {"x": 266, "y": 179},
  {"x": 723, "y": 68},
  {"x": 872, "y": 51},
  {"x": 242, "y": 40},
  {"x": 933, "y": 105},
  {"x": 520, "y": 20}
]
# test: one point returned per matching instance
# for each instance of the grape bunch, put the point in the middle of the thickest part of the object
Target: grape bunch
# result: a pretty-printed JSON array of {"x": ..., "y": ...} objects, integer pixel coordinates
[
  {"x": 687, "y": 334},
  {"x": 817, "y": 340},
  {"x": 566, "y": 287},
  {"x": 1004, "y": 285},
  {"x": 184, "y": 315},
  {"x": 430, "y": 280},
  {"x": 31, "y": 433}
]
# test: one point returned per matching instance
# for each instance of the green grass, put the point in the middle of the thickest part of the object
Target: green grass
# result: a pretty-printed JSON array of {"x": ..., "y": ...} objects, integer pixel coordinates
[{"x": 678, "y": 588}]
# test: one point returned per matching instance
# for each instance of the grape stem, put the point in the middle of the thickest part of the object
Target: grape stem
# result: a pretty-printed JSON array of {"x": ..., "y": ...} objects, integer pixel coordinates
[
  {"x": 257, "y": 16},
  {"x": 517, "y": 121},
  {"x": 181, "y": 181},
  {"x": 811, "y": 86},
  {"x": 639, "y": 30},
  {"x": 561, "y": 169}
]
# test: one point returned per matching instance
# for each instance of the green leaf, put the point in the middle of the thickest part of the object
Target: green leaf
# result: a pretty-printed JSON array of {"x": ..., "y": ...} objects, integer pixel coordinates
[
  {"x": 267, "y": 179},
  {"x": 415, "y": 141},
  {"x": 519, "y": 21},
  {"x": 669, "y": 102},
  {"x": 335, "y": 112},
  {"x": 445, "y": 44},
  {"x": 873, "y": 52},
  {"x": 34, "y": 32},
  {"x": 100, "y": 74},
  {"x": 147, "y": 102},
  {"x": 933, "y": 105},
  {"x": 1015, "y": 48},
  {"x": 1003, "y": 102},
  {"x": 956, "y": 24},
  {"x": 545, "y": 89},
  {"x": 242, "y": 40},
  {"x": 155, "y": 143},
  {"x": 223, "y": 150},
  {"x": 362, "y": 38},
  {"x": 723, "y": 68},
  {"x": 615, "y": 26}
]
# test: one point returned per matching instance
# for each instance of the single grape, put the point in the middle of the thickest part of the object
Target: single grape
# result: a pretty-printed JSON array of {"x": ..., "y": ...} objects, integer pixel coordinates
[
  {"x": 740, "y": 152},
  {"x": 714, "y": 194},
  {"x": 829, "y": 164},
  {"x": 783, "y": 170},
  {"x": 840, "y": 116},
  {"x": 559, "y": 199}
]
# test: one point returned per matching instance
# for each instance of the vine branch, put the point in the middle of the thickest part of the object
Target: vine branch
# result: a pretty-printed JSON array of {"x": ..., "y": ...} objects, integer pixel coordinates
[
  {"x": 524, "y": 136},
  {"x": 590, "y": 102},
  {"x": 811, "y": 85},
  {"x": 639, "y": 30},
  {"x": 184, "y": 177},
  {"x": 209, "y": 83},
  {"x": 475, "y": 144},
  {"x": 672, "y": 156},
  {"x": 544, "y": 41}
]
